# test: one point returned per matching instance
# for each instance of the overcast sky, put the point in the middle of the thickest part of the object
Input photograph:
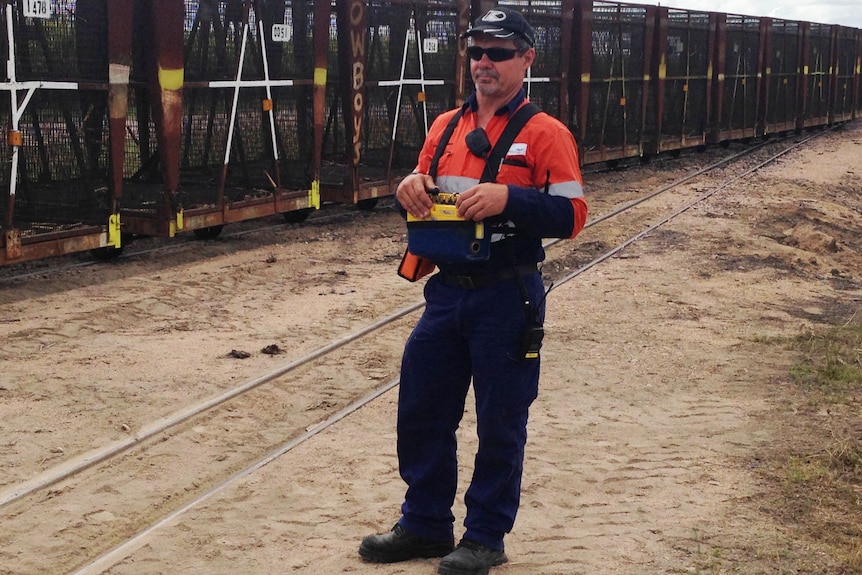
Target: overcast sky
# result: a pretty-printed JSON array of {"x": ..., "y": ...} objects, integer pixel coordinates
[{"x": 844, "y": 12}]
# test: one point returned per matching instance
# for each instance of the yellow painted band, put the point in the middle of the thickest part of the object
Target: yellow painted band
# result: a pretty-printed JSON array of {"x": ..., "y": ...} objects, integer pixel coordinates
[
  {"x": 314, "y": 195},
  {"x": 320, "y": 76},
  {"x": 114, "y": 235},
  {"x": 171, "y": 79}
]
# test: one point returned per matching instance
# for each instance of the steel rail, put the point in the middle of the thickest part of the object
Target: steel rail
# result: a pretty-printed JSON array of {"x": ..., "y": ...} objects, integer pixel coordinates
[
  {"x": 109, "y": 558},
  {"x": 122, "y": 550},
  {"x": 627, "y": 206},
  {"x": 676, "y": 213},
  {"x": 81, "y": 463}
]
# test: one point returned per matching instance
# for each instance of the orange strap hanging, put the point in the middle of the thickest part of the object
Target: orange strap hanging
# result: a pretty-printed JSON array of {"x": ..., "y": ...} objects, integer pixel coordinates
[{"x": 413, "y": 267}]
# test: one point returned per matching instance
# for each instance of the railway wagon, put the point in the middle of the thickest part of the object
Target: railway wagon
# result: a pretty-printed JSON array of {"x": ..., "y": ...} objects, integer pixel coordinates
[{"x": 131, "y": 118}]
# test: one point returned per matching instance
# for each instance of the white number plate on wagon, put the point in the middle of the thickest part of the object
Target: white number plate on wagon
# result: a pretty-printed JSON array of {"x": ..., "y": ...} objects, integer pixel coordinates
[{"x": 37, "y": 8}]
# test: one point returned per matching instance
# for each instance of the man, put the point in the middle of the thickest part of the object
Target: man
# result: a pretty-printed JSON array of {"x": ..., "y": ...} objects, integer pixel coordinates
[{"x": 479, "y": 313}]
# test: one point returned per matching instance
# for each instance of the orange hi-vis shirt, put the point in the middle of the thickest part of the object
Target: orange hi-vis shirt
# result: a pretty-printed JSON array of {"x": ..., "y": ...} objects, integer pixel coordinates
[{"x": 541, "y": 170}]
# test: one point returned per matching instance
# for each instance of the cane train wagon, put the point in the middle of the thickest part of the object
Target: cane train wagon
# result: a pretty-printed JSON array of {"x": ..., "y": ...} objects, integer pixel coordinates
[{"x": 130, "y": 118}]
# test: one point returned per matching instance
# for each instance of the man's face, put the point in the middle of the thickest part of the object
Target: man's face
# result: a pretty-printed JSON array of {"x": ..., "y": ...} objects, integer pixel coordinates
[{"x": 498, "y": 78}]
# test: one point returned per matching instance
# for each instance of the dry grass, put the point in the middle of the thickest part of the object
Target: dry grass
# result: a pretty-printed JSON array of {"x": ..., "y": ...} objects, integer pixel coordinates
[
  {"x": 815, "y": 477},
  {"x": 806, "y": 517}
]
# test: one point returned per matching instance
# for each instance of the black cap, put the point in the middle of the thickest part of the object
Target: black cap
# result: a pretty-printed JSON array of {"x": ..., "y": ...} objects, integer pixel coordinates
[{"x": 502, "y": 23}]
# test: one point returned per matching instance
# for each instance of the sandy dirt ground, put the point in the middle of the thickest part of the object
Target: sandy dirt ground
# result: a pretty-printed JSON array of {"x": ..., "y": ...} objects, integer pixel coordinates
[{"x": 662, "y": 385}]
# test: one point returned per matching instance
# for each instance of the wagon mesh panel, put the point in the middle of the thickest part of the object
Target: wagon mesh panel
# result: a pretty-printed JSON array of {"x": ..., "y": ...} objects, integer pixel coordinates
[
  {"x": 62, "y": 176},
  {"x": 846, "y": 59},
  {"x": 783, "y": 62},
  {"x": 214, "y": 34},
  {"x": 72, "y": 46},
  {"x": 741, "y": 73},
  {"x": 819, "y": 53},
  {"x": 547, "y": 24},
  {"x": 616, "y": 76},
  {"x": 62, "y": 170},
  {"x": 687, "y": 74}
]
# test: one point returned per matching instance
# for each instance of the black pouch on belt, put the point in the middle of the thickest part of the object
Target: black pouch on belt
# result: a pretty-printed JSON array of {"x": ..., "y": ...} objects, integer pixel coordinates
[{"x": 531, "y": 342}]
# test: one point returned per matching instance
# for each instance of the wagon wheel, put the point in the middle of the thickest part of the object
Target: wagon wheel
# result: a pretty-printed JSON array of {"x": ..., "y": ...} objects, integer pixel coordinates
[
  {"x": 106, "y": 254},
  {"x": 297, "y": 216},
  {"x": 208, "y": 233},
  {"x": 367, "y": 205}
]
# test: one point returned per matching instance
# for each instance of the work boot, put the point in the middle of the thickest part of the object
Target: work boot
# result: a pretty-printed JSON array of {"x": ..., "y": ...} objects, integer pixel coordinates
[
  {"x": 399, "y": 545},
  {"x": 471, "y": 558}
]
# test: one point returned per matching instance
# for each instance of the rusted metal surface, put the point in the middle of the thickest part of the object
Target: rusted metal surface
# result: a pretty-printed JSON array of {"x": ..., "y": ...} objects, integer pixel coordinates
[
  {"x": 857, "y": 77},
  {"x": 461, "y": 64},
  {"x": 166, "y": 84},
  {"x": 321, "y": 65},
  {"x": 120, "y": 13},
  {"x": 352, "y": 28},
  {"x": 45, "y": 245}
]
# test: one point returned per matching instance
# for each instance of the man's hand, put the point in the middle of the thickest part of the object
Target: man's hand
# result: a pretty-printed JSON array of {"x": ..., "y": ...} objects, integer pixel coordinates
[
  {"x": 412, "y": 194},
  {"x": 483, "y": 201}
]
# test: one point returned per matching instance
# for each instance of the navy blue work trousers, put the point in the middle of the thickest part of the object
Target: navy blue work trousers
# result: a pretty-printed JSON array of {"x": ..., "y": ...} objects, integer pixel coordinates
[{"x": 466, "y": 334}]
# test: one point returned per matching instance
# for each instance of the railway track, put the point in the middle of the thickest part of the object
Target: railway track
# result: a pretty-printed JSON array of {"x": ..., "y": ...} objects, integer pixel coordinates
[{"x": 168, "y": 486}]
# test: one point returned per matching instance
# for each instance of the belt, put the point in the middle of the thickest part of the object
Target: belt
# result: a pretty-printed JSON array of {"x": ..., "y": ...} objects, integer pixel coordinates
[{"x": 484, "y": 280}]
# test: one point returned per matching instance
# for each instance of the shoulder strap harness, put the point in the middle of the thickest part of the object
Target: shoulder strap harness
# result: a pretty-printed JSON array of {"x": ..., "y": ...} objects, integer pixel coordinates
[{"x": 495, "y": 159}]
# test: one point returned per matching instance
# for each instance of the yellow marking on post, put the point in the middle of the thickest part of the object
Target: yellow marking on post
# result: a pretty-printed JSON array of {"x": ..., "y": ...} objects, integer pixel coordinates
[
  {"x": 314, "y": 195},
  {"x": 15, "y": 138},
  {"x": 320, "y": 76},
  {"x": 267, "y": 105},
  {"x": 421, "y": 97},
  {"x": 585, "y": 78},
  {"x": 114, "y": 235},
  {"x": 171, "y": 79}
]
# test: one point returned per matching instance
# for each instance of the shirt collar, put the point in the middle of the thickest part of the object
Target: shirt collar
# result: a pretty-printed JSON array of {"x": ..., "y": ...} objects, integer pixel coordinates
[{"x": 509, "y": 108}]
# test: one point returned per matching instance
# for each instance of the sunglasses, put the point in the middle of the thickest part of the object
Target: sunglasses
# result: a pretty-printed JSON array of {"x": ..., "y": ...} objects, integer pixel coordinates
[{"x": 494, "y": 54}]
